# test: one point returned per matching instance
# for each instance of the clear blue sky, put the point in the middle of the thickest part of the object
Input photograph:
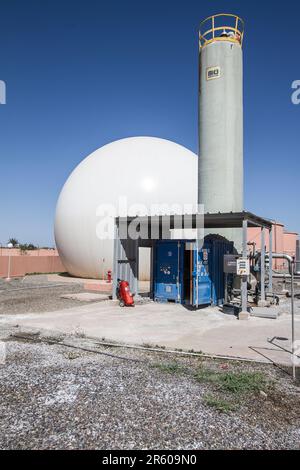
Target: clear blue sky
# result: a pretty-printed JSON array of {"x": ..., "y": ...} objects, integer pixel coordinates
[{"x": 81, "y": 74}]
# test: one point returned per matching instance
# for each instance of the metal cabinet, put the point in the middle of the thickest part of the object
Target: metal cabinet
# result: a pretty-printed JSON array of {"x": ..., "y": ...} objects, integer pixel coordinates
[{"x": 185, "y": 273}]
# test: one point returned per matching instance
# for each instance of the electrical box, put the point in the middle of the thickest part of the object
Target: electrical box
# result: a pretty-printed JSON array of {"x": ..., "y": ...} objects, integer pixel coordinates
[{"x": 229, "y": 265}]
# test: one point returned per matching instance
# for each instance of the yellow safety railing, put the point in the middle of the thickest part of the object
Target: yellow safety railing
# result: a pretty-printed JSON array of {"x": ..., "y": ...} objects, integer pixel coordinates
[{"x": 221, "y": 27}]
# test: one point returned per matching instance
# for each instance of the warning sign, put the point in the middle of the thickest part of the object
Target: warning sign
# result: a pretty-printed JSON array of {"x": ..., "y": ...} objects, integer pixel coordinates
[{"x": 243, "y": 267}]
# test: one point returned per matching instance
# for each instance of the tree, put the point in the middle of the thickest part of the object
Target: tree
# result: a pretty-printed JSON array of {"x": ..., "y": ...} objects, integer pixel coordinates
[
  {"x": 31, "y": 246},
  {"x": 13, "y": 241},
  {"x": 27, "y": 246}
]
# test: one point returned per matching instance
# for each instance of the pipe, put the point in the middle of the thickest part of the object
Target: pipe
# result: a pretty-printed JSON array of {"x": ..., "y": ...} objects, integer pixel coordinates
[
  {"x": 291, "y": 262},
  {"x": 253, "y": 244},
  {"x": 292, "y": 271},
  {"x": 297, "y": 261},
  {"x": 289, "y": 258},
  {"x": 285, "y": 275},
  {"x": 293, "y": 326}
]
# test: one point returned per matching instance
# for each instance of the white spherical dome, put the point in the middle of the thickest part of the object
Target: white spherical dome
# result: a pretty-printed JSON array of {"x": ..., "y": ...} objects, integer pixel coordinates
[{"x": 145, "y": 170}]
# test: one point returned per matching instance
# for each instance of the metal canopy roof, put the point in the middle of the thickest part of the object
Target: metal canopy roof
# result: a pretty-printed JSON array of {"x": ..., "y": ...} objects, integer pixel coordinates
[
  {"x": 217, "y": 220},
  {"x": 235, "y": 219}
]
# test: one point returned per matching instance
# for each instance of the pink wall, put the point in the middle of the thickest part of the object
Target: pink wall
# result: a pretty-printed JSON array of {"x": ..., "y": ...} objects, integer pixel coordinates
[
  {"x": 21, "y": 265},
  {"x": 289, "y": 243},
  {"x": 283, "y": 242}
]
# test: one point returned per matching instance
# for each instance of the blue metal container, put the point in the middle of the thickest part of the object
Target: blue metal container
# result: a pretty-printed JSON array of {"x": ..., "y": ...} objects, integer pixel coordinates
[
  {"x": 168, "y": 270},
  {"x": 185, "y": 274}
]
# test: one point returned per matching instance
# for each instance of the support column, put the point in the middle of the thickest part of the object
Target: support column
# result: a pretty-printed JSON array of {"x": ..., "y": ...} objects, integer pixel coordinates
[
  {"x": 270, "y": 290},
  {"x": 115, "y": 261},
  {"x": 262, "y": 302},
  {"x": 135, "y": 268},
  {"x": 244, "y": 314}
]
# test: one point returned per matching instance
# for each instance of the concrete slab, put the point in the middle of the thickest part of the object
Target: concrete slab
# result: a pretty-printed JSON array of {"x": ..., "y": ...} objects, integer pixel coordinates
[
  {"x": 270, "y": 312},
  {"x": 98, "y": 286},
  {"x": 173, "y": 326},
  {"x": 85, "y": 296}
]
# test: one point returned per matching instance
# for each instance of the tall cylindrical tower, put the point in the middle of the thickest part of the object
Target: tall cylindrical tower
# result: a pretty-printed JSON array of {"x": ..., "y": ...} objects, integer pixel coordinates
[{"x": 220, "y": 179}]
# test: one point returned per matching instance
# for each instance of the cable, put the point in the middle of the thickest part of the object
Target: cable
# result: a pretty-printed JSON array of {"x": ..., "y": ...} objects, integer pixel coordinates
[
  {"x": 45, "y": 340},
  {"x": 128, "y": 346}
]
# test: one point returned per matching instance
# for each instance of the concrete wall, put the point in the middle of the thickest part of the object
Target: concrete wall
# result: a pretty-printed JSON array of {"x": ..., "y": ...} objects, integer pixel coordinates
[
  {"x": 26, "y": 264},
  {"x": 289, "y": 243},
  {"x": 17, "y": 252}
]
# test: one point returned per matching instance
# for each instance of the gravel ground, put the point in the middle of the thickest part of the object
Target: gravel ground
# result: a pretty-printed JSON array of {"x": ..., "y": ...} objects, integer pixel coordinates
[
  {"x": 55, "y": 397},
  {"x": 280, "y": 284},
  {"x": 36, "y": 294}
]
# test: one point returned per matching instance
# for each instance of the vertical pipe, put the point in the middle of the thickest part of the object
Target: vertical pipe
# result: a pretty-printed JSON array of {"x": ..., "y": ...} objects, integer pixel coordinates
[
  {"x": 236, "y": 24},
  {"x": 9, "y": 265},
  {"x": 178, "y": 272},
  {"x": 270, "y": 290},
  {"x": 191, "y": 276},
  {"x": 293, "y": 321},
  {"x": 135, "y": 266},
  {"x": 297, "y": 263},
  {"x": 151, "y": 271},
  {"x": 196, "y": 253},
  {"x": 115, "y": 261},
  {"x": 244, "y": 278},
  {"x": 262, "y": 266}
]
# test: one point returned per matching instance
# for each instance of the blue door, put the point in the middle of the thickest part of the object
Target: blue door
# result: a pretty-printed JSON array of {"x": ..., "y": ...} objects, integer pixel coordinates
[
  {"x": 168, "y": 271},
  {"x": 201, "y": 277}
]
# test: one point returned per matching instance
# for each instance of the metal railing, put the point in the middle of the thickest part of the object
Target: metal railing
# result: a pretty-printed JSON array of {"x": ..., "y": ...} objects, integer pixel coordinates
[{"x": 221, "y": 27}]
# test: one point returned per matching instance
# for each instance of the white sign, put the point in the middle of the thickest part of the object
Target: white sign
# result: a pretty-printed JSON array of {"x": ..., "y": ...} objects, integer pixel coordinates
[
  {"x": 242, "y": 267},
  {"x": 213, "y": 72}
]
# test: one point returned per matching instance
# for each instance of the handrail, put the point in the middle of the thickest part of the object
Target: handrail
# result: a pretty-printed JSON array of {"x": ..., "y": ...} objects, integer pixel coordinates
[{"x": 212, "y": 34}]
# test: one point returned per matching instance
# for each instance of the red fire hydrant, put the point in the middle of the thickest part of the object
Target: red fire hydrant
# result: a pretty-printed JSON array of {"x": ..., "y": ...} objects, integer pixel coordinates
[
  {"x": 109, "y": 277},
  {"x": 124, "y": 295}
]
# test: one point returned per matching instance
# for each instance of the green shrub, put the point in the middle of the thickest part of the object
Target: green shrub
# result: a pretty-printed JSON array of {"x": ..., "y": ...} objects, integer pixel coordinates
[
  {"x": 219, "y": 404},
  {"x": 233, "y": 382}
]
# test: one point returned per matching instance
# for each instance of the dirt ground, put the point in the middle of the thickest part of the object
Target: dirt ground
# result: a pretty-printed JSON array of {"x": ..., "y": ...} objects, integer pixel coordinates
[
  {"x": 70, "y": 392},
  {"x": 36, "y": 294}
]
